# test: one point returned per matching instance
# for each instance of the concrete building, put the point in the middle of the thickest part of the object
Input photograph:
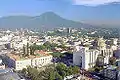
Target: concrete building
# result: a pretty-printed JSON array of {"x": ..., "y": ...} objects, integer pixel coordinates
[
  {"x": 105, "y": 50},
  {"x": 106, "y": 53},
  {"x": 43, "y": 60},
  {"x": 19, "y": 62},
  {"x": 115, "y": 41},
  {"x": 85, "y": 57}
]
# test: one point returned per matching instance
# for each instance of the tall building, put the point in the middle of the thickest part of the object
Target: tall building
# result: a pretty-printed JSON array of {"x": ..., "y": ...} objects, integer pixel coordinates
[
  {"x": 69, "y": 30},
  {"x": 85, "y": 57},
  {"x": 105, "y": 51}
]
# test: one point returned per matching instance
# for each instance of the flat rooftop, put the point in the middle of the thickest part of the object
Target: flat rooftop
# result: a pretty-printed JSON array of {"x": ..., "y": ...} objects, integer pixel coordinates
[{"x": 37, "y": 53}]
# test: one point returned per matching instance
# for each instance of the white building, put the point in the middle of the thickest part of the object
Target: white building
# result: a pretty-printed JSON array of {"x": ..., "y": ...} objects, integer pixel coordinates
[
  {"x": 18, "y": 62},
  {"x": 85, "y": 57},
  {"x": 43, "y": 60},
  {"x": 2, "y": 65},
  {"x": 115, "y": 41}
]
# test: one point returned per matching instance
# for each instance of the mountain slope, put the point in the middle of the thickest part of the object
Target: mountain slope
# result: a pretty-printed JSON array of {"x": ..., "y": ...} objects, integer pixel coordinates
[{"x": 46, "y": 20}]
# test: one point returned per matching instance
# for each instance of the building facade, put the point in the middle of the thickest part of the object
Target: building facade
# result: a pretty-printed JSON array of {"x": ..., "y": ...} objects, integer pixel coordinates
[
  {"x": 85, "y": 57},
  {"x": 14, "y": 61}
]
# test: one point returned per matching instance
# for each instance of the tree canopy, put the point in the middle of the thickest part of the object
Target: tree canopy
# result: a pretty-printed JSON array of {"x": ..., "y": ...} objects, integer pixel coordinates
[{"x": 51, "y": 73}]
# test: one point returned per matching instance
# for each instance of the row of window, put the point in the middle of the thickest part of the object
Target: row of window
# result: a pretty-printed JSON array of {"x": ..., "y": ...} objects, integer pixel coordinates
[
  {"x": 45, "y": 59},
  {"x": 40, "y": 60}
]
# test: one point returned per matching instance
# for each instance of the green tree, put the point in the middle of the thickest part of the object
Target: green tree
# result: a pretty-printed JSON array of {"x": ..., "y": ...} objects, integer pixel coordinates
[
  {"x": 76, "y": 70},
  {"x": 57, "y": 72},
  {"x": 58, "y": 76},
  {"x": 57, "y": 54},
  {"x": 47, "y": 45},
  {"x": 51, "y": 76},
  {"x": 70, "y": 71},
  {"x": 33, "y": 73},
  {"x": 24, "y": 71},
  {"x": 61, "y": 67}
]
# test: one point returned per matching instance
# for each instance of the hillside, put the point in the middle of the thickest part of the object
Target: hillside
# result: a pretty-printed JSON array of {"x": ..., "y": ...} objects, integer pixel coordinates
[{"x": 46, "y": 20}]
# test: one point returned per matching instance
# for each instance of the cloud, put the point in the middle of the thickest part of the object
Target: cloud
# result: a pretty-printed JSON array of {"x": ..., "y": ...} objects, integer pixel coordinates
[{"x": 94, "y": 2}]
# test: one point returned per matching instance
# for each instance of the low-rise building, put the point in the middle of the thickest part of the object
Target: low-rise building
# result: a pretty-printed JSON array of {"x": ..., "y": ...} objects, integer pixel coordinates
[{"x": 40, "y": 59}]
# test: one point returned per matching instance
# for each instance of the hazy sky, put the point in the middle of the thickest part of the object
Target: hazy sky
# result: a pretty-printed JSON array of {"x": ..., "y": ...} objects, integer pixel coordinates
[{"x": 71, "y": 9}]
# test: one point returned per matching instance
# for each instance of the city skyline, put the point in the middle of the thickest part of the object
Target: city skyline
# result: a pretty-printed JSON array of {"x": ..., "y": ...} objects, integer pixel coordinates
[{"x": 60, "y": 40}]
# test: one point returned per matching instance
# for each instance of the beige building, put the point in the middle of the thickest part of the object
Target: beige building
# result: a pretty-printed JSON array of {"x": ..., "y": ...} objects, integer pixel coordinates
[{"x": 40, "y": 59}]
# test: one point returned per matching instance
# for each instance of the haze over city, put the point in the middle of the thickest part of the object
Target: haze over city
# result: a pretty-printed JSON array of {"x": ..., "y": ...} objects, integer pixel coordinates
[{"x": 59, "y": 40}]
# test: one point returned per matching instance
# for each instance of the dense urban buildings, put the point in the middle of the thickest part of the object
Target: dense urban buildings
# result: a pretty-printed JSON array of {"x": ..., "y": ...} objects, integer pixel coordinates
[
  {"x": 59, "y": 40},
  {"x": 23, "y": 49}
]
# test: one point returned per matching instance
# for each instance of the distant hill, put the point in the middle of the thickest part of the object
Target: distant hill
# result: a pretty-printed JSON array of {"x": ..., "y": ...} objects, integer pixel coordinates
[{"x": 46, "y": 20}]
